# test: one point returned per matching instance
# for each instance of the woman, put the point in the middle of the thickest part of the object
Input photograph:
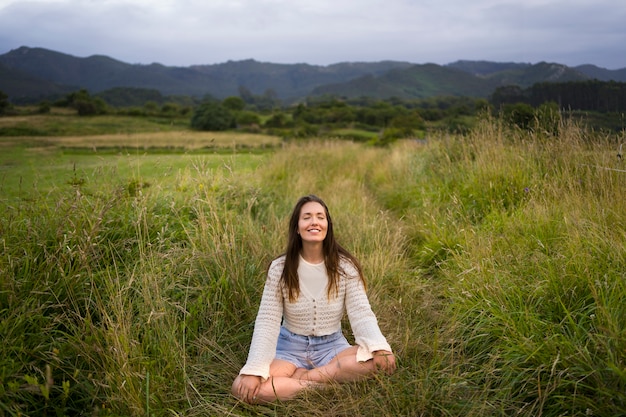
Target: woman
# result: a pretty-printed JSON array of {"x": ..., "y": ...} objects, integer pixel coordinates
[{"x": 309, "y": 288}]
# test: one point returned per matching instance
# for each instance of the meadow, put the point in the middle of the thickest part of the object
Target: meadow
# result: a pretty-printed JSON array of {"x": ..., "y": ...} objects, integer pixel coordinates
[{"x": 131, "y": 272}]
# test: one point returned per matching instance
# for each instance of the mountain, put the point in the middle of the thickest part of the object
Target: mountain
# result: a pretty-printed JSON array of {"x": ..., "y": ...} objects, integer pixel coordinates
[
  {"x": 98, "y": 73},
  {"x": 18, "y": 85},
  {"x": 523, "y": 75},
  {"x": 480, "y": 80},
  {"x": 602, "y": 74},
  {"x": 417, "y": 81},
  {"x": 485, "y": 68},
  {"x": 37, "y": 73},
  {"x": 290, "y": 80}
]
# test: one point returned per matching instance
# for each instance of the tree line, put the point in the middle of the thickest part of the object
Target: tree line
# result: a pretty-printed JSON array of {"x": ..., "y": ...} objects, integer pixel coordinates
[
  {"x": 354, "y": 118},
  {"x": 592, "y": 95}
]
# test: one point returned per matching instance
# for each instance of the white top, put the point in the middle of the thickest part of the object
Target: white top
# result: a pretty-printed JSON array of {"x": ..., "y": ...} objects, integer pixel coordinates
[
  {"x": 312, "y": 277},
  {"x": 312, "y": 315}
]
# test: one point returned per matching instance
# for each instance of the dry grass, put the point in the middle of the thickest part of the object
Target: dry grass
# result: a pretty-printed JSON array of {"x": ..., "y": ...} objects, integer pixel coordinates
[{"x": 187, "y": 140}]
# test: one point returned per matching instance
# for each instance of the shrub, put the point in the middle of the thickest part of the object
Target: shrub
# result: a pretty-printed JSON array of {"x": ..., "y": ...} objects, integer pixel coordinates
[
  {"x": 5, "y": 105},
  {"x": 247, "y": 118},
  {"x": 212, "y": 116}
]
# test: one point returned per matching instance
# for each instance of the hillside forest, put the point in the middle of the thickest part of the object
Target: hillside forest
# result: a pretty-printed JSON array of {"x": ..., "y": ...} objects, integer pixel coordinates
[{"x": 600, "y": 105}]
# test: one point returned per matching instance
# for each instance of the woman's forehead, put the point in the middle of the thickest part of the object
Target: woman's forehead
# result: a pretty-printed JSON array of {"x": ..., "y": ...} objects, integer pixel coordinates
[{"x": 312, "y": 207}]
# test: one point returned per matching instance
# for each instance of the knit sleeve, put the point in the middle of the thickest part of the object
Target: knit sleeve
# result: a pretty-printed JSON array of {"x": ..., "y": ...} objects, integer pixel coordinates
[
  {"x": 367, "y": 334},
  {"x": 267, "y": 325}
]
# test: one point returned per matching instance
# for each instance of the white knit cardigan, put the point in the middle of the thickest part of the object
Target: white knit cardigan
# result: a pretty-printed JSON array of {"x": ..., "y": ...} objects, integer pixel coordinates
[{"x": 312, "y": 317}]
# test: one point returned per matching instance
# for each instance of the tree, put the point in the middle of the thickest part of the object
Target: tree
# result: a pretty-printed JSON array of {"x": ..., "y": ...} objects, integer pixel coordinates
[
  {"x": 246, "y": 95},
  {"x": 519, "y": 114},
  {"x": 151, "y": 106},
  {"x": 5, "y": 105},
  {"x": 247, "y": 118},
  {"x": 170, "y": 108},
  {"x": 234, "y": 103},
  {"x": 44, "y": 107},
  {"x": 277, "y": 120},
  {"x": 212, "y": 116},
  {"x": 84, "y": 104},
  {"x": 511, "y": 94},
  {"x": 90, "y": 107},
  {"x": 408, "y": 122}
]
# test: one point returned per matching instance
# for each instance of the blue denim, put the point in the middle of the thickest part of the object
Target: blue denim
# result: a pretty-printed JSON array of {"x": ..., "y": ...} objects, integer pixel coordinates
[{"x": 309, "y": 351}]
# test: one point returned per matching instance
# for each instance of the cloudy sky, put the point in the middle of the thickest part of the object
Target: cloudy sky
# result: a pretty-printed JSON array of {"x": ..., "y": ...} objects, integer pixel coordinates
[{"x": 322, "y": 32}]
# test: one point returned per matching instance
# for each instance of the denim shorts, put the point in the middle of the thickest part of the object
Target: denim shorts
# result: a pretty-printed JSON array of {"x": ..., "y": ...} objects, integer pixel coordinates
[{"x": 309, "y": 351}]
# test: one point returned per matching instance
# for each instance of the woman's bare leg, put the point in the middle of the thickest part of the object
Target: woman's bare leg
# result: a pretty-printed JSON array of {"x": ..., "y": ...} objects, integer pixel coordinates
[
  {"x": 343, "y": 368},
  {"x": 281, "y": 384},
  {"x": 281, "y": 388}
]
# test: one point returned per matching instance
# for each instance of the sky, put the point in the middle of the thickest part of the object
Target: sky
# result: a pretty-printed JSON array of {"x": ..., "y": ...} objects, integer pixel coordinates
[{"x": 322, "y": 32}]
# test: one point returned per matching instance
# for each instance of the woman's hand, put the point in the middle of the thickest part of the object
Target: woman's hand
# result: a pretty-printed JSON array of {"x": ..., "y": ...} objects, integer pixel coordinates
[
  {"x": 384, "y": 360},
  {"x": 246, "y": 387}
]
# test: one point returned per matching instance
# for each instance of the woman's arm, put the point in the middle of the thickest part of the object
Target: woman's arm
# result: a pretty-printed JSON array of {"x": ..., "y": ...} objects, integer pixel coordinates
[
  {"x": 266, "y": 326},
  {"x": 363, "y": 321}
]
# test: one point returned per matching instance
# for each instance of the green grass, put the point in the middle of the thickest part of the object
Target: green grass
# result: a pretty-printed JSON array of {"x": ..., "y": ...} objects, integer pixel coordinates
[
  {"x": 36, "y": 166},
  {"x": 495, "y": 263},
  {"x": 29, "y": 175},
  {"x": 63, "y": 123}
]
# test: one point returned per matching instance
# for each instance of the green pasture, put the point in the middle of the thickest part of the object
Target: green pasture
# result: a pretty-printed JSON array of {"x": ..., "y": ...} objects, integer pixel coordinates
[
  {"x": 33, "y": 166},
  {"x": 29, "y": 174},
  {"x": 495, "y": 262},
  {"x": 62, "y": 122}
]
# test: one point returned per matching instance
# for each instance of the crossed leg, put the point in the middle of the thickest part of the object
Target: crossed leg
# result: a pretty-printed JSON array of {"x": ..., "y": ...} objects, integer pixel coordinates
[
  {"x": 286, "y": 380},
  {"x": 343, "y": 368},
  {"x": 281, "y": 385}
]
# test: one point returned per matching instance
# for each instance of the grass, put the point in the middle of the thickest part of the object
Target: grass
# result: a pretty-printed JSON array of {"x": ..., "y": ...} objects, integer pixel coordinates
[
  {"x": 63, "y": 122},
  {"x": 34, "y": 166},
  {"x": 182, "y": 140},
  {"x": 495, "y": 263}
]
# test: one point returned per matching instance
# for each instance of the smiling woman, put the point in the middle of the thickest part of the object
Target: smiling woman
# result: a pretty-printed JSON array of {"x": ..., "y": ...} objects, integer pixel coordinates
[{"x": 298, "y": 341}]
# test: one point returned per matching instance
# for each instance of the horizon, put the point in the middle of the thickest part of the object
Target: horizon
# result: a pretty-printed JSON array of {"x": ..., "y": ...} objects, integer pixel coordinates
[{"x": 306, "y": 63}]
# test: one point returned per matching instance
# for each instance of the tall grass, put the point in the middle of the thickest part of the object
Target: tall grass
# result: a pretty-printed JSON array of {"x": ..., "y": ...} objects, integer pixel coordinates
[
  {"x": 495, "y": 263},
  {"x": 527, "y": 235}
]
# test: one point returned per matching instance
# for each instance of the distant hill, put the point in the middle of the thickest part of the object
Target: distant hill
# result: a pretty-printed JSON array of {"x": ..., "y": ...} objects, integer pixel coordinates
[
  {"x": 485, "y": 68},
  {"x": 603, "y": 74},
  {"x": 479, "y": 80},
  {"x": 417, "y": 81},
  {"x": 18, "y": 85},
  {"x": 36, "y": 73},
  {"x": 289, "y": 81},
  {"x": 98, "y": 73}
]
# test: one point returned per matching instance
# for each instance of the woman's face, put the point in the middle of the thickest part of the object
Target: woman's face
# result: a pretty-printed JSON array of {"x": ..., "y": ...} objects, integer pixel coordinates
[{"x": 313, "y": 224}]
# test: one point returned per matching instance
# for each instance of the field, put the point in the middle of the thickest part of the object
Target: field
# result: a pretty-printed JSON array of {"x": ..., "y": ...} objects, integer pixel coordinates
[{"x": 132, "y": 265}]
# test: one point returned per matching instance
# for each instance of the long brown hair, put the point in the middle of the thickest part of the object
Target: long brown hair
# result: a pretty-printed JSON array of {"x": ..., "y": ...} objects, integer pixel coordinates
[{"x": 333, "y": 253}]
